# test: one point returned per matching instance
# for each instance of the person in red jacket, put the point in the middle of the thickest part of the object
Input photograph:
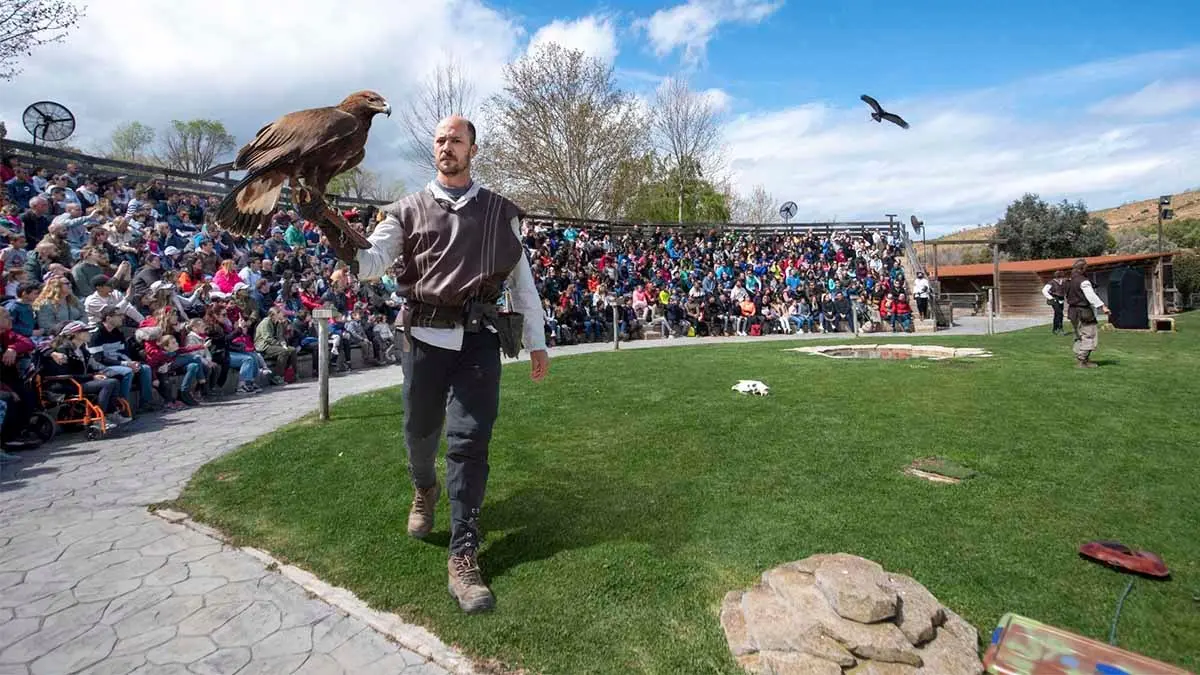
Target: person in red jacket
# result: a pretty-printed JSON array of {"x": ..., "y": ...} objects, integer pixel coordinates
[{"x": 902, "y": 314}]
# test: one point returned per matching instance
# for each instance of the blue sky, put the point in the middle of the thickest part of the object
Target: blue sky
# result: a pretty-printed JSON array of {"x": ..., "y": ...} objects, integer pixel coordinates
[{"x": 1096, "y": 100}]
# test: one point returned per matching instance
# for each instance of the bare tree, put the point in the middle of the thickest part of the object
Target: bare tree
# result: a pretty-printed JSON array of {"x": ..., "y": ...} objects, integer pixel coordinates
[
  {"x": 26, "y": 24},
  {"x": 561, "y": 130},
  {"x": 195, "y": 145},
  {"x": 130, "y": 141},
  {"x": 360, "y": 183},
  {"x": 445, "y": 92},
  {"x": 758, "y": 207},
  {"x": 687, "y": 130}
]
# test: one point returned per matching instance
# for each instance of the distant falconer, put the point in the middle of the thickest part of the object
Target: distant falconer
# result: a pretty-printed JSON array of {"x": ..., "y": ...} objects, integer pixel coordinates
[
  {"x": 1082, "y": 305},
  {"x": 1055, "y": 292}
]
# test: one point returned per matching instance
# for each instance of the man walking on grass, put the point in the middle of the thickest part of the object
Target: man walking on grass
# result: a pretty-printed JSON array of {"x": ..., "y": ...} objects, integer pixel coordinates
[
  {"x": 1082, "y": 305},
  {"x": 459, "y": 244}
]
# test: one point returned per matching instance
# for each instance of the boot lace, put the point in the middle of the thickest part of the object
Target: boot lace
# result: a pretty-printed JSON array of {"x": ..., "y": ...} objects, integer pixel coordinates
[{"x": 467, "y": 570}]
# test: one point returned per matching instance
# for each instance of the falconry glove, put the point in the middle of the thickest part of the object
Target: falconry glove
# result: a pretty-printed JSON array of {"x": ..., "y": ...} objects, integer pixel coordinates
[{"x": 345, "y": 249}]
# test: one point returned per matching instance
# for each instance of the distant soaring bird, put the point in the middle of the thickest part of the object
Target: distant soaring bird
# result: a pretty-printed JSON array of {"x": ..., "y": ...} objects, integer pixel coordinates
[
  {"x": 306, "y": 148},
  {"x": 880, "y": 114}
]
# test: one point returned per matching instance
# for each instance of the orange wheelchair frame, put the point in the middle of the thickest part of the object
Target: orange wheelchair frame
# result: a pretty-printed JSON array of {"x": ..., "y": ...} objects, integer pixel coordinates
[{"x": 89, "y": 414}]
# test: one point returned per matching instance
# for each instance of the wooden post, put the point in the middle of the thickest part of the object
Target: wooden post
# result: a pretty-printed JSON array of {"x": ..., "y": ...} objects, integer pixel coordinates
[
  {"x": 322, "y": 317},
  {"x": 991, "y": 313},
  {"x": 996, "y": 275},
  {"x": 616, "y": 328}
]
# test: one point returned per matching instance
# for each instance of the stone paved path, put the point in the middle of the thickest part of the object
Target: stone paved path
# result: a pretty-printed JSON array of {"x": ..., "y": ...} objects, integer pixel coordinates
[{"x": 91, "y": 582}]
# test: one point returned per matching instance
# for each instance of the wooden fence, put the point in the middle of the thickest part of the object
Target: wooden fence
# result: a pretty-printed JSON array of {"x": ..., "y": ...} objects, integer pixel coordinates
[{"x": 175, "y": 181}]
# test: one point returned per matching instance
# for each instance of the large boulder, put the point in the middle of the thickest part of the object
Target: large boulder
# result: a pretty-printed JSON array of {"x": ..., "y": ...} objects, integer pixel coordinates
[{"x": 839, "y": 613}]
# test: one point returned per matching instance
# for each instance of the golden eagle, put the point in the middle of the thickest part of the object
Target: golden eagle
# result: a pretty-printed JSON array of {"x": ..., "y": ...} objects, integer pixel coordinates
[
  {"x": 880, "y": 114},
  {"x": 306, "y": 148}
]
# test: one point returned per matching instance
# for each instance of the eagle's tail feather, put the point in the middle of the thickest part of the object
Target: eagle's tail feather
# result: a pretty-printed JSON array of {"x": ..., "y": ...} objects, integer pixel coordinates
[{"x": 247, "y": 207}]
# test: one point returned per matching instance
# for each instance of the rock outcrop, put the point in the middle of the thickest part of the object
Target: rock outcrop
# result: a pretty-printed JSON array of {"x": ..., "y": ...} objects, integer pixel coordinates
[{"x": 831, "y": 614}]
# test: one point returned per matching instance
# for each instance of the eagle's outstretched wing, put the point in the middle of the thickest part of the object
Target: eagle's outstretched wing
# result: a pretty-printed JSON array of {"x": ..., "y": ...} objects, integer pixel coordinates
[
  {"x": 895, "y": 119},
  {"x": 269, "y": 160},
  {"x": 873, "y": 103}
]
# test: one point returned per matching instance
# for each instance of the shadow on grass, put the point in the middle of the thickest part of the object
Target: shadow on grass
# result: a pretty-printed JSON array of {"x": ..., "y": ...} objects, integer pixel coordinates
[{"x": 538, "y": 523}]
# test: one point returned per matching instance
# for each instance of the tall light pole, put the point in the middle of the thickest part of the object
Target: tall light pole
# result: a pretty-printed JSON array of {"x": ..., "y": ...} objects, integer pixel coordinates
[{"x": 1164, "y": 213}]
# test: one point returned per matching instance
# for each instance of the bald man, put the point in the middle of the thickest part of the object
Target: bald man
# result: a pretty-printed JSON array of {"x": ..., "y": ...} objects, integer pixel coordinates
[{"x": 468, "y": 291}]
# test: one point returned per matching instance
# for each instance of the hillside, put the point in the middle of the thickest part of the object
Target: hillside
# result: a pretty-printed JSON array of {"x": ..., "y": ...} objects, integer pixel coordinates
[{"x": 1133, "y": 214}]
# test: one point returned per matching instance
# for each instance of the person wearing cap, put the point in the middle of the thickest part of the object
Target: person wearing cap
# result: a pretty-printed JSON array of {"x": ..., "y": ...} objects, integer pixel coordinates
[
  {"x": 67, "y": 355},
  {"x": 106, "y": 296},
  {"x": 150, "y": 271}
]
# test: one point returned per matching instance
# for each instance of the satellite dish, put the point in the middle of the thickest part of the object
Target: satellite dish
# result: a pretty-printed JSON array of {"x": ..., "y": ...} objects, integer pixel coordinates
[
  {"x": 787, "y": 211},
  {"x": 918, "y": 225},
  {"x": 48, "y": 121}
]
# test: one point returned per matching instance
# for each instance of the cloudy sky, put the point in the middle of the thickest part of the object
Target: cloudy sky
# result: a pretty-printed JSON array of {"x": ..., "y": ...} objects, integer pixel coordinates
[{"x": 1097, "y": 100}]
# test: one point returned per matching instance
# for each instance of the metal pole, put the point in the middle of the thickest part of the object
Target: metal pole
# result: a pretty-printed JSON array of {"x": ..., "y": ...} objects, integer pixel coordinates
[
  {"x": 1160, "y": 229},
  {"x": 322, "y": 316},
  {"x": 616, "y": 329}
]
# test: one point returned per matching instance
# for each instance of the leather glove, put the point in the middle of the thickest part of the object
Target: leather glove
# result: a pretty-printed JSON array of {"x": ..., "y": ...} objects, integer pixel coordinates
[{"x": 345, "y": 249}]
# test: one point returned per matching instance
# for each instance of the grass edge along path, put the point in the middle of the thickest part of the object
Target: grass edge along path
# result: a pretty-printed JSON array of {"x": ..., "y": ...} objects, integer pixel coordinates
[{"x": 631, "y": 490}]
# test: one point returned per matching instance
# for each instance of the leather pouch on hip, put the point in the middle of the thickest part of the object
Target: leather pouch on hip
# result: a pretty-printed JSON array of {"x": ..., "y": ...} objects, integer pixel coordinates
[
  {"x": 509, "y": 328},
  {"x": 1087, "y": 315}
]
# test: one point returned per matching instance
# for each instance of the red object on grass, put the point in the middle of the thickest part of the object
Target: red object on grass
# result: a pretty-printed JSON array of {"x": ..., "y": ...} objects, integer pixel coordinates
[{"x": 1118, "y": 555}]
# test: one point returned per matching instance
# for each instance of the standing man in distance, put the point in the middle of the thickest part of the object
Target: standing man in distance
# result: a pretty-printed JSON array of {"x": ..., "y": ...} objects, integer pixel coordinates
[
  {"x": 1082, "y": 305},
  {"x": 1055, "y": 292},
  {"x": 921, "y": 292},
  {"x": 459, "y": 243}
]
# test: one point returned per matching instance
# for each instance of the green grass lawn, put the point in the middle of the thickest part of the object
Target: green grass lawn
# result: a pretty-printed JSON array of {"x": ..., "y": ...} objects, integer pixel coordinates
[{"x": 631, "y": 490}]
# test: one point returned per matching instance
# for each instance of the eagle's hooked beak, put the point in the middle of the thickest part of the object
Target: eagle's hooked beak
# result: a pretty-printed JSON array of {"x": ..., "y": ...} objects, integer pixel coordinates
[{"x": 387, "y": 108}]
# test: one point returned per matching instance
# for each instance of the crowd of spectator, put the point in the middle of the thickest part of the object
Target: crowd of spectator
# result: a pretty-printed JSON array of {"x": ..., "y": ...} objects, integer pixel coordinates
[
  {"x": 673, "y": 284},
  {"x": 135, "y": 292}
]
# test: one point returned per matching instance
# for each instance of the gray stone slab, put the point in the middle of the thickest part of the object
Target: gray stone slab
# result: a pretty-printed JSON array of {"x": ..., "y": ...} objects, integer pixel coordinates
[{"x": 222, "y": 662}]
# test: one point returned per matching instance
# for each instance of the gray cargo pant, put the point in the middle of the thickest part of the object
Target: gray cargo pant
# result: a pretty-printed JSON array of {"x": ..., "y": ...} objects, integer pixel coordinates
[{"x": 459, "y": 390}]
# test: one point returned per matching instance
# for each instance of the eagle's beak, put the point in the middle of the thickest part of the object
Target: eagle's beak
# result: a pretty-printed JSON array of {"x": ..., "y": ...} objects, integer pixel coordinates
[{"x": 387, "y": 108}]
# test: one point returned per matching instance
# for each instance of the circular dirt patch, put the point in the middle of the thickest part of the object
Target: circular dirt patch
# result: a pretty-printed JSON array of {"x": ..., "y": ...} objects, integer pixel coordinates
[{"x": 894, "y": 352}]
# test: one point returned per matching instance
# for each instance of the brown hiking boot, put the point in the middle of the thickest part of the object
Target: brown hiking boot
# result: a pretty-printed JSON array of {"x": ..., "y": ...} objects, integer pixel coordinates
[
  {"x": 466, "y": 584},
  {"x": 1088, "y": 364},
  {"x": 420, "y": 517}
]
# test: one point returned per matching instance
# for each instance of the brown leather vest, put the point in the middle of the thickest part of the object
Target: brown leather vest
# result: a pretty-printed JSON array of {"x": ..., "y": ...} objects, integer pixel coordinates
[{"x": 451, "y": 257}]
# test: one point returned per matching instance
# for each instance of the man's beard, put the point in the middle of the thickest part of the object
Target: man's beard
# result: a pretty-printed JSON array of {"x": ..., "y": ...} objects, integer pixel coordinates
[{"x": 449, "y": 166}]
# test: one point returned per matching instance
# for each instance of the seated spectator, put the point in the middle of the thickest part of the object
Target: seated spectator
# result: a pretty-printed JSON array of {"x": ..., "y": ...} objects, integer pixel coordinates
[
  {"x": 110, "y": 349},
  {"x": 56, "y": 305},
  {"x": 270, "y": 340},
  {"x": 20, "y": 308},
  {"x": 106, "y": 296},
  {"x": 67, "y": 355},
  {"x": 902, "y": 314}
]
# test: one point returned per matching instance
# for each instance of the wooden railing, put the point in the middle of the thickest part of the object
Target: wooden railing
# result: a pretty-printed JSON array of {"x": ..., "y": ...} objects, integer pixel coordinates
[{"x": 175, "y": 181}]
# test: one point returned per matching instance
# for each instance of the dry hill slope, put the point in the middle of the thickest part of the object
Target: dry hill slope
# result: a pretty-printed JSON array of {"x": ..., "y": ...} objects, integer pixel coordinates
[{"x": 1134, "y": 214}]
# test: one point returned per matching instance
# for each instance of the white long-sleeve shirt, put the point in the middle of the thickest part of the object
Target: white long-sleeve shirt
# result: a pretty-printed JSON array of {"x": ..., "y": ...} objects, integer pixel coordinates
[
  {"x": 387, "y": 243},
  {"x": 1090, "y": 294}
]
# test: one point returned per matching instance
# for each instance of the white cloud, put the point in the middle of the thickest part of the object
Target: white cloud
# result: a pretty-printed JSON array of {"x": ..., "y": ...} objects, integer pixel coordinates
[
  {"x": 247, "y": 63},
  {"x": 1155, "y": 99},
  {"x": 719, "y": 98},
  {"x": 968, "y": 155},
  {"x": 593, "y": 35},
  {"x": 691, "y": 25}
]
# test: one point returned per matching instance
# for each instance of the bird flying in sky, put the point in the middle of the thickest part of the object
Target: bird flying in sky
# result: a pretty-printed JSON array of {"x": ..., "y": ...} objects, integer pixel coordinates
[{"x": 880, "y": 114}]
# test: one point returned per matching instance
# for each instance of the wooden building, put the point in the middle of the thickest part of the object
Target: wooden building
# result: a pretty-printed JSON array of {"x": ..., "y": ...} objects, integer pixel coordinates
[{"x": 1021, "y": 282}]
